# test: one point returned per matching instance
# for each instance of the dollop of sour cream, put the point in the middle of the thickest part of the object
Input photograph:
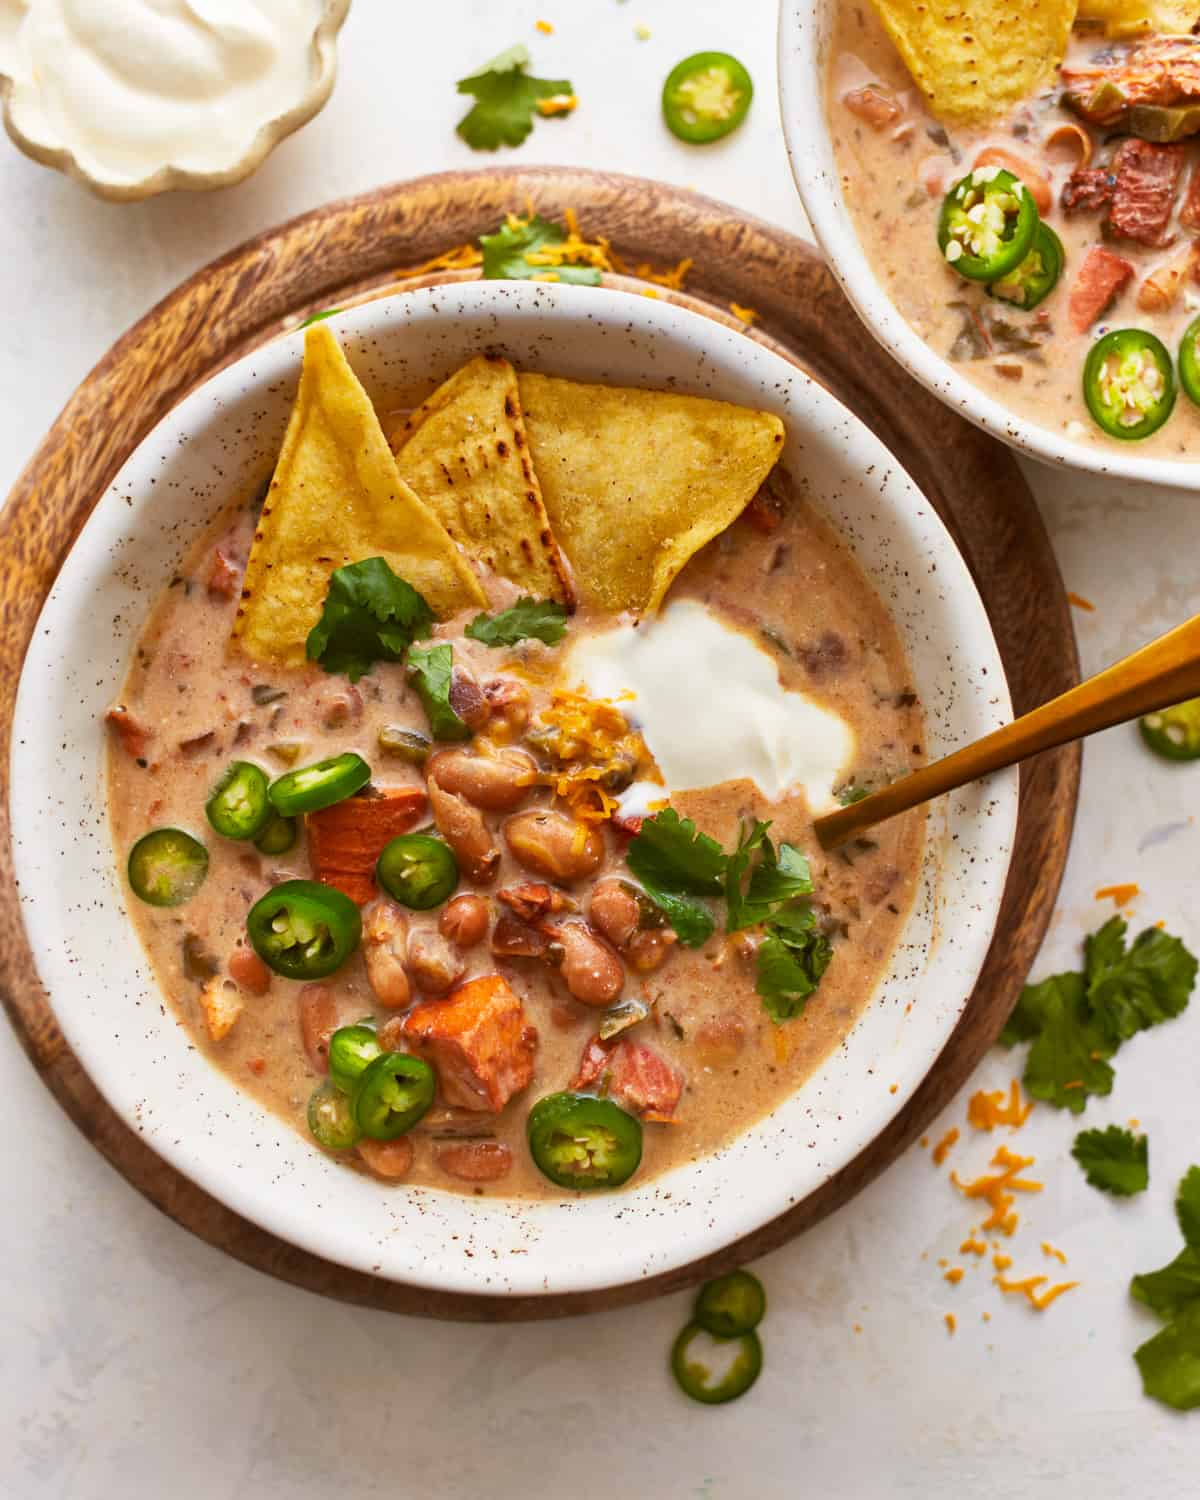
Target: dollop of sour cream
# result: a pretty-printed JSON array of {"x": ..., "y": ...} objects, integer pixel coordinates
[
  {"x": 130, "y": 86},
  {"x": 711, "y": 708}
]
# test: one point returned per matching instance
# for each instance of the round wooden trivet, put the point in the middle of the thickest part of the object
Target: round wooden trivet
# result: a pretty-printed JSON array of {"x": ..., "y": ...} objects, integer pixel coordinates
[{"x": 352, "y": 247}]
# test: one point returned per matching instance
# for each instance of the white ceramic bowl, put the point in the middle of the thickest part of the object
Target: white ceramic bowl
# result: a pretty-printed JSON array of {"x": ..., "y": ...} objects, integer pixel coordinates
[
  {"x": 220, "y": 442},
  {"x": 805, "y": 30}
]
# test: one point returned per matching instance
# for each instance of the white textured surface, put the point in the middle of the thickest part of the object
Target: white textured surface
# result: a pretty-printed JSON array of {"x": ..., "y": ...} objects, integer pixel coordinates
[{"x": 137, "y": 1362}]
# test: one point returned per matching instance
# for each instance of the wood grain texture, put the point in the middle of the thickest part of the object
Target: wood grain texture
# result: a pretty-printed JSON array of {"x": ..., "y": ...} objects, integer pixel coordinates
[{"x": 352, "y": 248}]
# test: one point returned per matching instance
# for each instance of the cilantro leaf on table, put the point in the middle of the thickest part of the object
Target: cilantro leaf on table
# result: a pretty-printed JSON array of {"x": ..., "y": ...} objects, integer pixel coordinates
[
  {"x": 505, "y": 253},
  {"x": 1114, "y": 1160},
  {"x": 774, "y": 880},
  {"x": 431, "y": 672},
  {"x": 369, "y": 615},
  {"x": 1131, "y": 990},
  {"x": 1170, "y": 1361},
  {"x": 537, "y": 619},
  {"x": 677, "y": 866},
  {"x": 506, "y": 100},
  {"x": 1066, "y": 1062},
  {"x": 792, "y": 957}
]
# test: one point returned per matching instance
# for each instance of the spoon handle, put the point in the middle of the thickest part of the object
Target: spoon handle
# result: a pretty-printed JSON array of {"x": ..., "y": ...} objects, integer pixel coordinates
[{"x": 1165, "y": 672}]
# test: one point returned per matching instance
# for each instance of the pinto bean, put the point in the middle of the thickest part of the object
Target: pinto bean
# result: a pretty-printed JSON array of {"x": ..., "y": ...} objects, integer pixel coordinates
[
  {"x": 433, "y": 962},
  {"x": 494, "y": 782},
  {"x": 554, "y": 845},
  {"x": 248, "y": 971},
  {"x": 391, "y": 1159},
  {"x": 465, "y": 920},
  {"x": 649, "y": 950},
  {"x": 510, "y": 705},
  {"x": 385, "y": 952},
  {"x": 463, "y": 828},
  {"x": 1033, "y": 177},
  {"x": 591, "y": 968},
  {"x": 614, "y": 911},
  {"x": 318, "y": 1022},
  {"x": 476, "y": 1161}
]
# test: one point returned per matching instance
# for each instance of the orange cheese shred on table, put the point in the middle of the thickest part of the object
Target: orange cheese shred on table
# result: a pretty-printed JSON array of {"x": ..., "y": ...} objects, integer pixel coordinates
[
  {"x": 942, "y": 1149},
  {"x": 1029, "y": 1289},
  {"x": 1120, "y": 895},
  {"x": 987, "y": 1110},
  {"x": 997, "y": 1191}
]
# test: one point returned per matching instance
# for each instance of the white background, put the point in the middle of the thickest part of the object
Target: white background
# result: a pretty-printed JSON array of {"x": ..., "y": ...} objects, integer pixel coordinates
[{"x": 135, "y": 1361}]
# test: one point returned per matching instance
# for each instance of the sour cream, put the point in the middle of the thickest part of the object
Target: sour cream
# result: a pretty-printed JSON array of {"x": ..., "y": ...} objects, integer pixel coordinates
[
  {"x": 710, "y": 706},
  {"x": 129, "y": 86}
]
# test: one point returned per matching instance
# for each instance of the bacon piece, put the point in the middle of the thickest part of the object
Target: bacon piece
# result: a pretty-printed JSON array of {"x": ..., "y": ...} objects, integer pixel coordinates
[
  {"x": 476, "y": 1161},
  {"x": 1164, "y": 71},
  {"x": 1087, "y": 190},
  {"x": 1147, "y": 180},
  {"x": 638, "y": 1078},
  {"x": 134, "y": 736},
  {"x": 532, "y": 900},
  {"x": 1101, "y": 277},
  {"x": 511, "y": 939},
  {"x": 224, "y": 576},
  {"x": 478, "y": 1040},
  {"x": 1033, "y": 177},
  {"x": 346, "y": 840},
  {"x": 879, "y": 107}
]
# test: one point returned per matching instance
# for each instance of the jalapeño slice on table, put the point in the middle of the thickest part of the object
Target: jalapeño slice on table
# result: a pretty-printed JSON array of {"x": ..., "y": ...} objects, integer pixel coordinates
[
  {"x": 1037, "y": 275},
  {"x": 579, "y": 1141},
  {"x": 352, "y": 1050},
  {"x": 391, "y": 1095},
  {"x": 278, "y": 836},
  {"x": 304, "y": 930},
  {"x": 705, "y": 97},
  {"x": 731, "y": 1305},
  {"x": 331, "y": 1119},
  {"x": 238, "y": 806},
  {"x": 417, "y": 870},
  {"x": 715, "y": 1370},
  {"x": 167, "y": 867},
  {"x": 1128, "y": 383},
  {"x": 311, "y": 788},
  {"x": 987, "y": 224},
  {"x": 1174, "y": 733}
]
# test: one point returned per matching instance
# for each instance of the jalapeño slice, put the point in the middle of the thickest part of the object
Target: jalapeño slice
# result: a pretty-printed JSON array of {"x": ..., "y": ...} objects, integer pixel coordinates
[
  {"x": 1036, "y": 276},
  {"x": 987, "y": 224},
  {"x": 578, "y": 1141},
  {"x": 1174, "y": 733},
  {"x": 352, "y": 1050},
  {"x": 1128, "y": 384},
  {"x": 320, "y": 785},
  {"x": 731, "y": 1305},
  {"x": 238, "y": 807},
  {"x": 331, "y": 1119},
  {"x": 392, "y": 1094},
  {"x": 417, "y": 870},
  {"x": 705, "y": 97},
  {"x": 304, "y": 930},
  {"x": 715, "y": 1370},
  {"x": 167, "y": 867},
  {"x": 1189, "y": 362}
]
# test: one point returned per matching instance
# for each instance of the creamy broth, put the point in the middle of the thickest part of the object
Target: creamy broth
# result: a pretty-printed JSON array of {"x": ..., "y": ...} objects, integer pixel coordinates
[
  {"x": 794, "y": 587},
  {"x": 893, "y": 180}
]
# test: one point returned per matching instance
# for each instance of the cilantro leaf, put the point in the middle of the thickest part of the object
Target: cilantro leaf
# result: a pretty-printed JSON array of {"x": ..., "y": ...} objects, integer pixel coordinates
[
  {"x": 1170, "y": 1361},
  {"x": 505, "y": 101},
  {"x": 1129, "y": 991},
  {"x": 1187, "y": 1207},
  {"x": 370, "y": 615},
  {"x": 1066, "y": 1062},
  {"x": 676, "y": 864},
  {"x": 1113, "y": 1160},
  {"x": 540, "y": 619},
  {"x": 431, "y": 672},
  {"x": 774, "y": 880},
  {"x": 792, "y": 957},
  {"x": 505, "y": 253},
  {"x": 1168, "y": 1291}
]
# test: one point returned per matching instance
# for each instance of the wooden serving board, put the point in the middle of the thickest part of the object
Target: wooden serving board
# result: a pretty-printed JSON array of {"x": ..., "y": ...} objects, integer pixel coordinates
[{"x": 358, "y": 246}]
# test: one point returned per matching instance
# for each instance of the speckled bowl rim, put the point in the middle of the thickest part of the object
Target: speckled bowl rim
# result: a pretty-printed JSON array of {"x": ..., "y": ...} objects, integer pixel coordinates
[
  {"x": 802, "y": 40},
  {"x": 169, "y": 178},
  {"x": 190, "y": 1113}
]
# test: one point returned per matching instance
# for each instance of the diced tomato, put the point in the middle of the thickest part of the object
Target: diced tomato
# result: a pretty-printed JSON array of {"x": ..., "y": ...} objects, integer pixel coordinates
[
  {"x": 134, "y": 736},
  {"x": 1033, "y": 177},
  {"x": 638, "y": 1078},
  {"x": 224, "y": 576},
  {"x": 346, "y": 840},
  {"x": 249, "y": 972},
  {"x": 1101, "y": 277},
  {"x": 479, "y": 1042}
]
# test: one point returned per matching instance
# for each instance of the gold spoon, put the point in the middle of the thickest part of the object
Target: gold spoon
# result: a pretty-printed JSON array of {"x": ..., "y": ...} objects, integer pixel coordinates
[{"x": 1161, "y": 674}]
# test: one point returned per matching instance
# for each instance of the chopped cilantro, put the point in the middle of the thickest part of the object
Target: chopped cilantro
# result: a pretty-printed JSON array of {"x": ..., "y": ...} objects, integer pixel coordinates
[
  {"x": 370, "y": 615},
  {"x": 319, "y": 317},
  {"x": 1113, "y": 1160},
  {"x": 431, "y": 672},
  {"x": 1170, "y": 1361},
  {"x": 774, "y": 880},
  {"x": 506, "y": 100},
  {"x": 540, "y": 619},
  {"x": 677, "y": 866},
  {"x": 791, "y": 960},
  {"x": 505, "y": 253},
  {"x": 1076, "y": 1022}
]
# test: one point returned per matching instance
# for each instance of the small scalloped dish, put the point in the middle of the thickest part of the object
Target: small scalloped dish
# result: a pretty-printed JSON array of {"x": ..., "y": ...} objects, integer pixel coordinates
[{"x": 138, "y": 97}]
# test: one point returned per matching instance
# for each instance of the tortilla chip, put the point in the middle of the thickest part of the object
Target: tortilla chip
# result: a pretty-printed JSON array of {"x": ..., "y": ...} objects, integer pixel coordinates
[
  {"x": 337, "y": 498},
  {"x": 975, "y": 59},
  {"x": 1122, "y": 18},
  {"x": 635, "y": 482},
  {"x": 465, "y": 453}
]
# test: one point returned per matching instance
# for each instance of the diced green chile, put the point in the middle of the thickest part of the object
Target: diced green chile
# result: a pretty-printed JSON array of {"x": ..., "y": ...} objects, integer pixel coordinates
[
  {"x": 304, "y": 930},
  {"x": 417, "y": 870},
  {"x": 1037, "y": 275},
  {"x": 731, "y": 1305},
  {"x": 320, "y": 785},
  {"x": 705, "y": 97},
  {"x": 1189, "y": 361},
  {"x": 741, "y": 1357},
  {"x": 352, "y": 1049},
  {"x": 331, "y": 1119},
  {"x": 392, "y": 1094},
  {"x": 579, "y": 1141},
  {"x": 1175, "y": 732},
  {"x": 167, "y": 867},
  {"x": 1164, "y": 123},
  {"x": 1128, "y": 383},
  {"x": 987, "y": 224},
  {"x": 407, "y": 744},
  {"x": 278, "y": 836},
  {"x": 238, "y": 806}
]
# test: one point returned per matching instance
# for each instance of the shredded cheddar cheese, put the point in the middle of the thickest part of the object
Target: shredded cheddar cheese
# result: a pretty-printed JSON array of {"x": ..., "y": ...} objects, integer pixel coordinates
[
  {"x": 593, "y": 744},
  {"x": 950, "y": 1321},
  {"x": 997, "y": 1191},
  {"x": 459, "y": 258},
  {"x": 1121, "y": 895},
  {"x": 1001, "y": 1262},
  {"x": 985, "y": 1111},
  {"x": 942, "y": 1149},
  {"x": 1049, "y": 1249},
  {"x": 954, "y": 1275},
  {"x": 557, "y": 104},
  {"x": 1080, "y": 602},
  {"x": 1029, "y": 1289},
  {"x": 972, "y": 1246},
  {"x": 544, "y": 27},
  {"x": 746, "y": 314}
]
